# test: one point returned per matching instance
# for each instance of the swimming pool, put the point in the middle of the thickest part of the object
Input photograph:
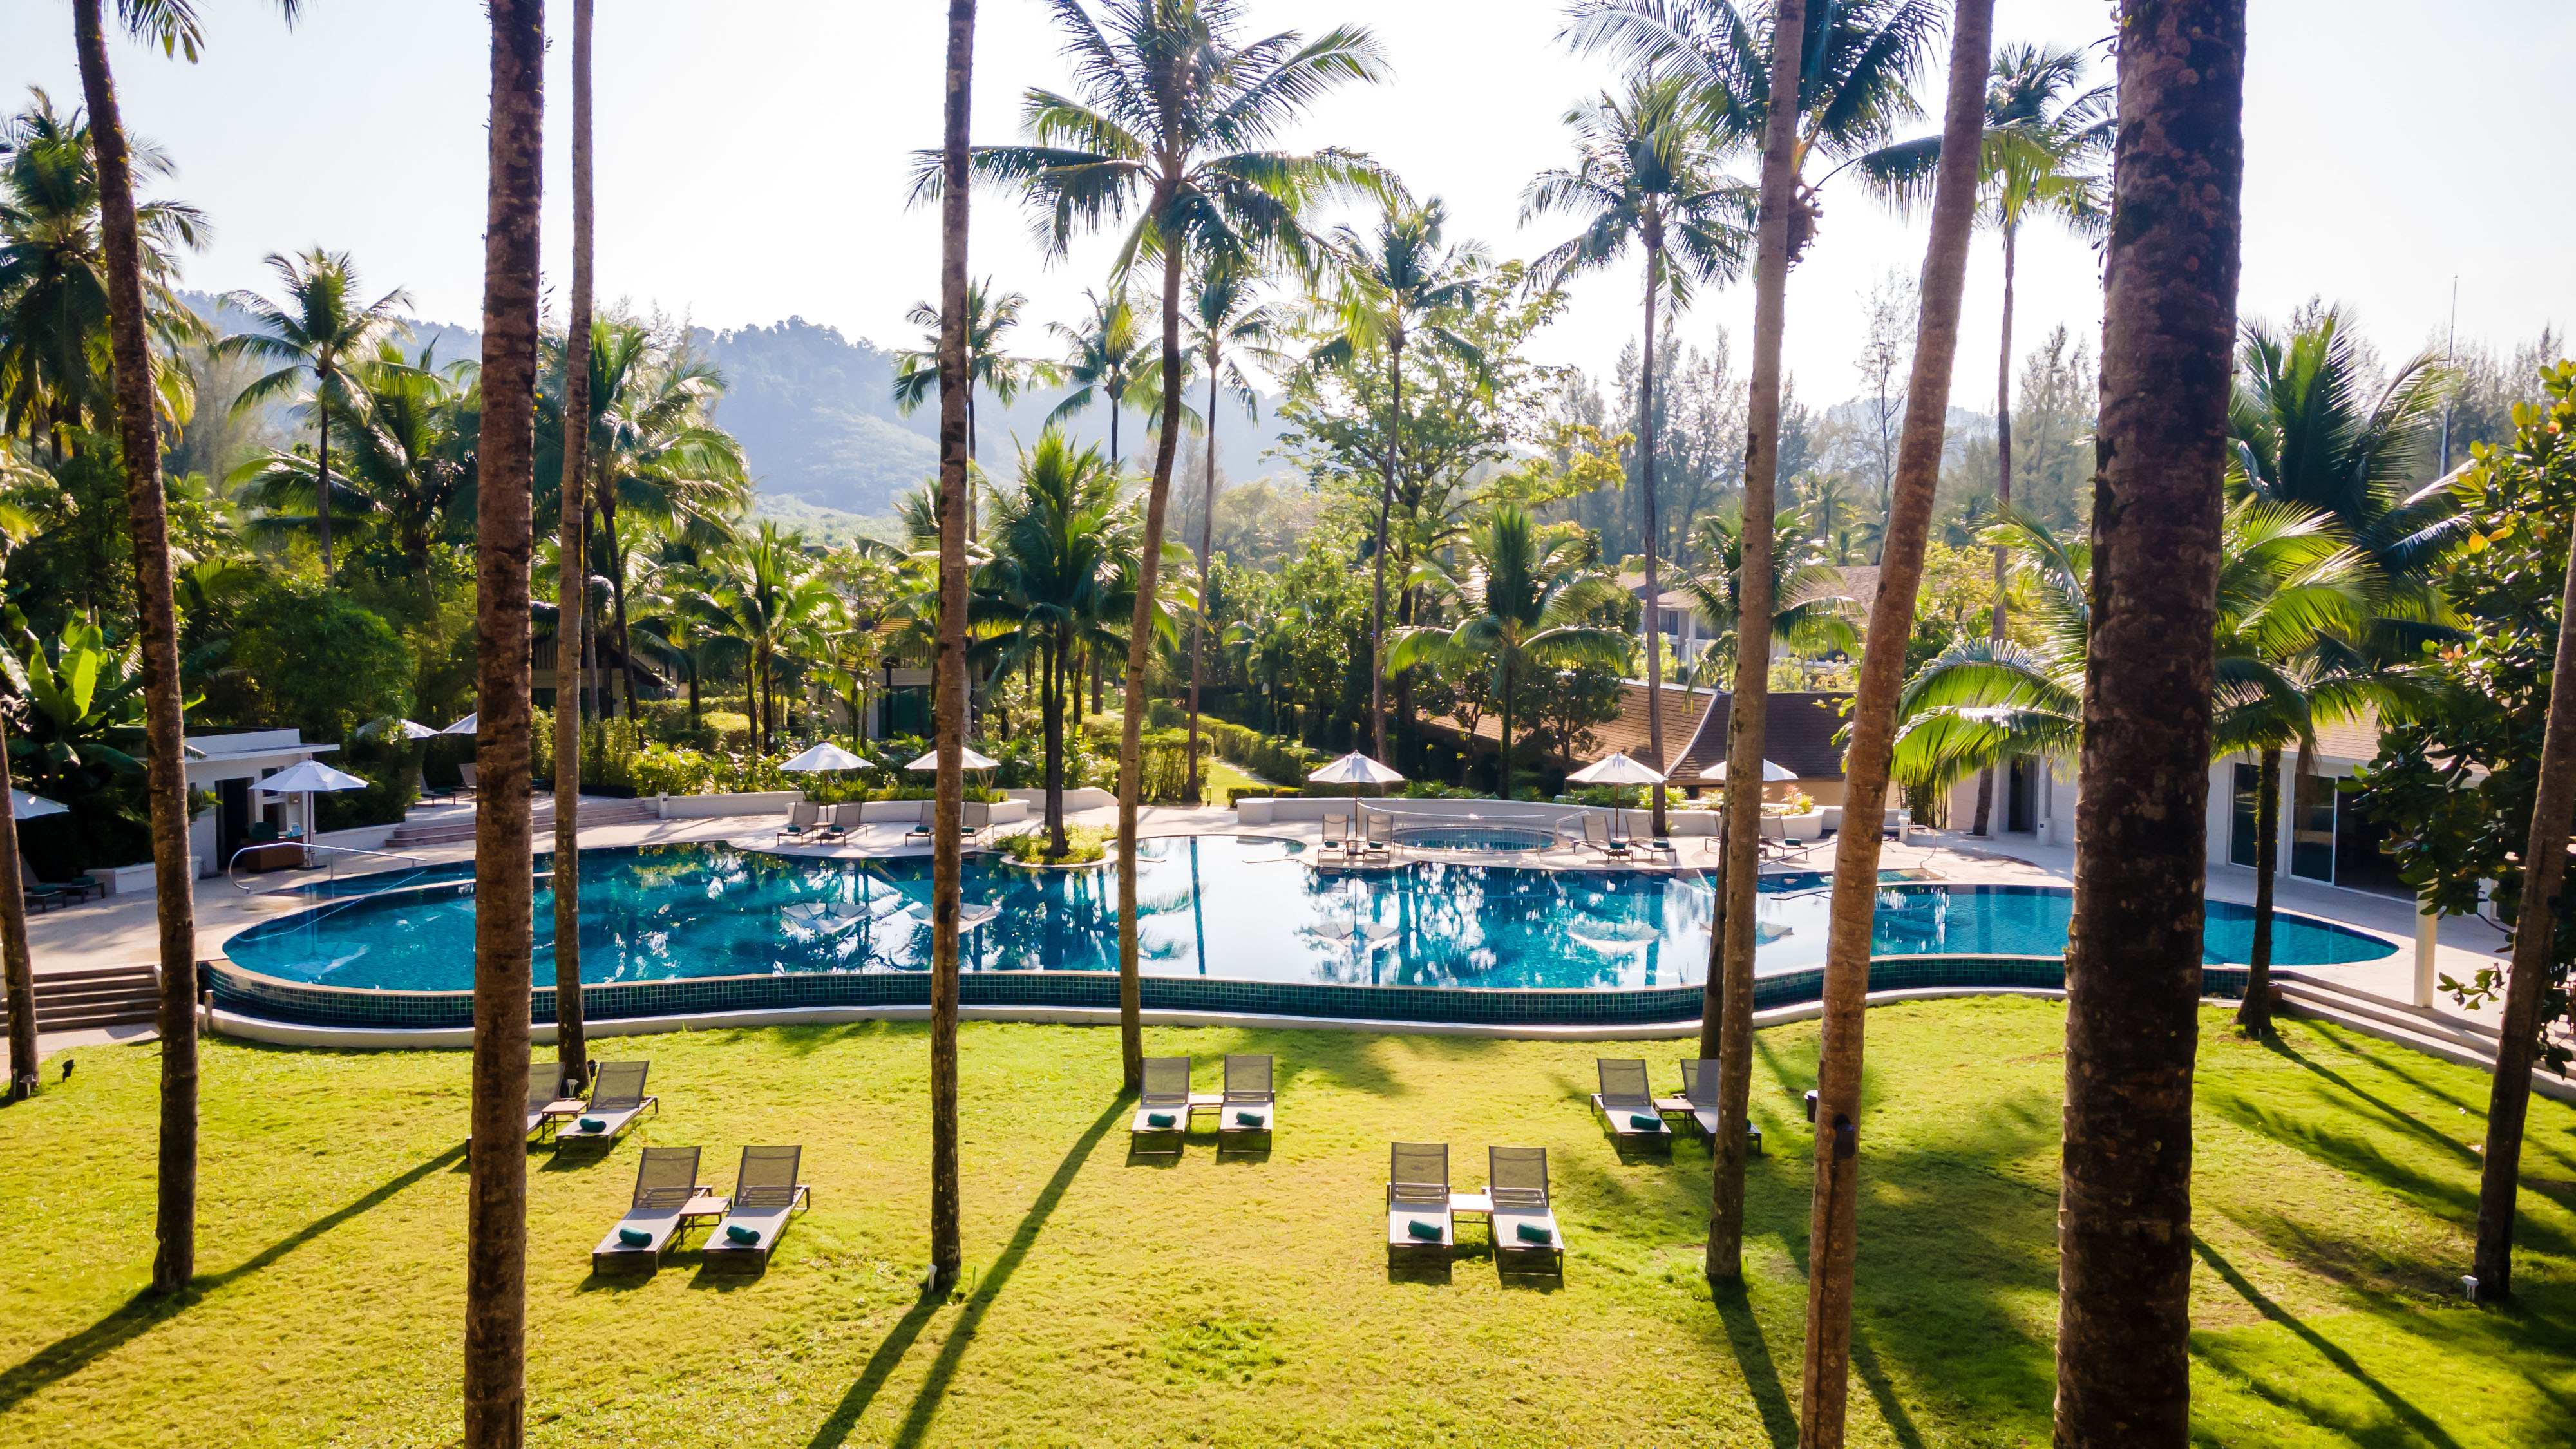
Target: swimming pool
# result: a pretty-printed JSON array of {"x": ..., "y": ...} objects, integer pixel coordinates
[
  {"x": 1478, "y": 839},
  {"x": 1239, "y": 908}
]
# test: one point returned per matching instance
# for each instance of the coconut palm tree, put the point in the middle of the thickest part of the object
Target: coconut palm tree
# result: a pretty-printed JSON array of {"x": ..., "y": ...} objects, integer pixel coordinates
[
  {"x": 17, "y": 962},
  {"x": 1264, "y": 646},
  {"x": 1399, "y": 285},
  {"x": 1521, "y": 604},
  {"x": 1810, "y": 612},
  {"x": 988, "y": 317},
  {"x": 407, "y": 457},
  {"x": 572, "y": 584},
  {"x": 1171, "y": 139},
  {"x": 1648, "y": 179},
  {"x": 316, "y": 332},
  {"x": 764, "y": 595},
  {"x": 2132, "y": 970},
  {"x": 1225, "y": 323},
  {"x": 1104, "y": 359}
]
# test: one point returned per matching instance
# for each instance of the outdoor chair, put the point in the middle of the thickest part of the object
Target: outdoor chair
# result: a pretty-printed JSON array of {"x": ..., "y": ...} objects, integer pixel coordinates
[
  {"x": 1381, "y": 832},
  {"x": 920, "y": 831},
  {"x": 839, "y": 820},
  {"x": 466, "y": 774},
  {"x": 1250, "y": 1108},
  {"x": 1626, "y": 1104},
  {"x": 1163, "y": 1109},
  {"x": 1417, "y": 1202},
  {"x": 1337, "y": 830},
  {"x": 1596, "y": 836},
  {"x": 666, "y": 1185},
  {"x": 974, "y": 819},
  {"x": 765, "y": 1192},
  {"x": 544, "y": 1090},
  {"x": 1524, "y": 1225},
  {"x": 616, "y": 1100},
  {"x": 803, "y": 818},
  {"x": 1698, "y": 1101},
  {"x": 79, "y": 887}
]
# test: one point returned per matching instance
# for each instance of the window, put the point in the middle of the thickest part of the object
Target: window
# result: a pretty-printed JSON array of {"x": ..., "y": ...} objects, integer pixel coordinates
[
  {"x": 2240, "y": 832},
  {"x": 2312, "y": 829}
]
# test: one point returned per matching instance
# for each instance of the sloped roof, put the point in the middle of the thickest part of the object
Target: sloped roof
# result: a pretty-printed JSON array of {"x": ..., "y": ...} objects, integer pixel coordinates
[
  {"x": 1626, "y": 732},
  {"x": 1798, "y": 735}
]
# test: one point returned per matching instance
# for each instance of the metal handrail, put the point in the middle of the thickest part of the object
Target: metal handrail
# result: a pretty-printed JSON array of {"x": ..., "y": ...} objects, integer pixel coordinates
[{"x": 232, "y": 867}]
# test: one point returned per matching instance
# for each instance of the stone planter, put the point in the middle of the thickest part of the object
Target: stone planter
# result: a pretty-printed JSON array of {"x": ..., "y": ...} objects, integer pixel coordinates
[{"x": 134, "y": 880}]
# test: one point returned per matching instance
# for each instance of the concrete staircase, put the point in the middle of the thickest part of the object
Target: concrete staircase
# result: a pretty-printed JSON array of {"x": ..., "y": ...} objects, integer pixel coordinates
[
  {"x": 2452, "y": 1038},
  {"x": 99, "y": 997},
  {"x": 459, "y": 829}
]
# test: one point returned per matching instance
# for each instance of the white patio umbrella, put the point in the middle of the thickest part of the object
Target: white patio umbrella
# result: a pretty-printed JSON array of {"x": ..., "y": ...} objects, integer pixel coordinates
[
  {"x": 464, "y": 726},
  {"x": 1617, "y": 769},
  {"x": 1771, "y": 774},
  {"x": 1355, "y": 769},
  {"x": 972, "y": 761},
  {"x": 825, "y": 756},
  {"x": 309, "y": 778},
  {"x": 401, "y": 729},
  {"x": 24, "y": 806}
]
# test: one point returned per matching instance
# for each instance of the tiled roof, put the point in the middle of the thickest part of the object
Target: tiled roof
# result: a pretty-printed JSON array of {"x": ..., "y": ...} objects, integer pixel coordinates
[
  {"x": 1625, "y": 732},
  {"x": 1798, "y": 735}
]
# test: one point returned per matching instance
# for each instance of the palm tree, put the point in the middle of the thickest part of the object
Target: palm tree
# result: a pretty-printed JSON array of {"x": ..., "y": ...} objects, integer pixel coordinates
[
  {"x": 1057, "y": 544},
  {"x": 1265, "y": 646},
  {"x": 316, "y": 332},
  {"x": 1647, "y": 179},
  {"x": 956, "y": 395},
  {"x": 407, "y": 459},
  {"x": 572, "y": 584},
  {"x": 1104, "y": 359},
  {"x": 2133, "y": 952},
  {"x": 496, "y": 1214},
  {"x": 1399, "y": 285},
  {"x": 1175, "y": 124},
  {"x": 768, "y": 598},
  {"x": 1810, "y": 611},
  {"x": 17, "y": 963},
  {"x": 1521, "y": 604},
  {"x": 995, "y": 371},
  {"x": 1223, "y": 323}
]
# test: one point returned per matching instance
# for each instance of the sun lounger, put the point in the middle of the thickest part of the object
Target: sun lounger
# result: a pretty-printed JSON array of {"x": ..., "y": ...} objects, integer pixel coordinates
[
  {"x": 1337, "y": 830},
  {"x": 1417, "y": 1201},
  {"x": 1596, "y": 836},
  {"x": 974, "y": 818},
  {"x": 920, "y": 831},
  {"x": 616, "y": 1100},
  {"x": 1627, "y": 1105},
  {"x": 803, "y": 818},
  {"x": 1250, "y": 1107},
  {"x": 1163, "y": 1109},
  {"x": 1698, "y": 1101},
  {"x": 543, "y": 1091},
  {"x": 765, "y": 1192},
  {"x": 666, "y": 1183},
  {"x": 1524, "y": 1224},
  {"x": 839, "y": 820},
  {"x": 1380, "y": 836}
]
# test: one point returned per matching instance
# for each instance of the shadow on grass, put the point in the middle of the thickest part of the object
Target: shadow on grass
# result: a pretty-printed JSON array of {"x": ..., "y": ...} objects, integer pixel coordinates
[
  {"x": 1753, "y": 1359},
  {"x": 1891, "y": 1410},
  {"x": 2420, "y": 1425},
  {"x": 144, "y": 1311},
  {"x": 2390, "y": 1113}
]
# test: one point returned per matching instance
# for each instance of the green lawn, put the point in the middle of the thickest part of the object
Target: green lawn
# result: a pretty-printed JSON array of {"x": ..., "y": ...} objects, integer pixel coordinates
[{"x": 1113, "y": 1301}]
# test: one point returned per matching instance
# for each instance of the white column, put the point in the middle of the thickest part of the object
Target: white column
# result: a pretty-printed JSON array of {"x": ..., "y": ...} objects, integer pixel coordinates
[{"x": 2427, "y": 945}]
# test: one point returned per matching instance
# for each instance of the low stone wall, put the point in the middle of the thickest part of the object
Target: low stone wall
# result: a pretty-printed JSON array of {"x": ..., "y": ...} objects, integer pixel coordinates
[
  {"x": 1309, "y": 809},
  {"x": 700, "y": 807},
  {"x": 1087, "y": 797}
]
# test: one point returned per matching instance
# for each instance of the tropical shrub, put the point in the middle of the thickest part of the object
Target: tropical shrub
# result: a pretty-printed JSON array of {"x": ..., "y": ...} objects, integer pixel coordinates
[
  {"x": 1083, "y": 844},
  {"x": 321, "y": 661}
]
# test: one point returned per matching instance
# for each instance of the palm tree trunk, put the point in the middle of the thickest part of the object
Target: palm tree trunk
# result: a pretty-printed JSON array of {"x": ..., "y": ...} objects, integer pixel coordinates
[
  {"x": 572, "y": 582},
  {"x": 1207, "y": 535},
  {"x": 322, "y": 467},
  {"x": 1654, "y": 587},
  {"x": 1503, "y": 727},
  {"x": 1989, "y": 778},
  {"x": 2133, "y": 953},
  {"x": 1730, "y": 977},
  {"x": 14, "y": 955},
  {"x": 947, "y": 862},
  {"x": 2254, "y": 1014},
  {"x": 1131, "y": 774},
  {"x": 617, "y": 594},
  {"x": 1059, "y": 662},
  {"x": 496, "y": 1211},
  {"x": 147, "y": 510},
  {"x": 2534, "y": 939},
  {"x": 1385, "y": 505},
  {"x": 1832, "y": 1231}
]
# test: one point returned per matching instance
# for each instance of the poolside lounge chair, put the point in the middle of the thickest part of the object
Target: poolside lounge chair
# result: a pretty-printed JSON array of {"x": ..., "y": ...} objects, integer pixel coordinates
[
  {"x": 1626, "y": 1104},
  {"x": 666, "y": 1182},
  {"x": 1337, "y": 830},
  {"x": 803, "y": 818},
  {"x": 765, "y": 1191},
  {"x": 974, "y": 818},
  {"x": 1417, "y": 1201},
  {"x": 920, "y": 831},
  {"x": 839, "y": 820},
  {"x": 1250, "y": 1107},
  {"x": 79, "y": 887},
  {"x": 543, "y": 1092},
  {"x": 616, "y": 1100},
  {"x": 1163, "y": 1108},
  {"x": 1381, "y": 831},
  {"x": 1698, "y": 1101},
  {"x": 465, "y": 773},
  {"x": 1524, "y": 1225},
  {"x": 1596, "y": 836}
]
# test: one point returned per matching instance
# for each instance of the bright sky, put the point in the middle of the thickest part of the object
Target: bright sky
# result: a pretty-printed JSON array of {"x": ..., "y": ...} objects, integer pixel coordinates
[{"x": 752, "y": 157}]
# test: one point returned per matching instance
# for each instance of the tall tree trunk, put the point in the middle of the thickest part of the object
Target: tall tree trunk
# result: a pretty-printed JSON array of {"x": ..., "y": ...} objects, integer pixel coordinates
[
  {"x": 1059, "y": 664},
  {"x": 322, "y": 468},
  {"x": 2254, "y": 1014},
  {"x": 947, "y": 860},
  {"x": 1989, "y": 779},
  {"x": 2133, "y": 951},
  {"x": 617, "y": 594},
  {"x": 1832, "y": 1230},
  {"x": 1503, "y": 731},
  {"x": 496, "y": 1211},
  {"x": 19, "y": 962},
  {"x": 2534, "y": 938},
  {"x": 1131, "y": 736},
  {"x": 147, "y": 511},
  {"x": 1385, "y": 506},
  {"x": 573, "y": 580},
  {"x": 1730, "y": 976},
  {"x": 1207, "y": 536},
  {"x": 1654, "y": 585}
]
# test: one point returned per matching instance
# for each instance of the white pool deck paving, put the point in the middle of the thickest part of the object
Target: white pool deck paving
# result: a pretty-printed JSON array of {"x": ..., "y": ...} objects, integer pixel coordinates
[{"x": 123, "y": 931}]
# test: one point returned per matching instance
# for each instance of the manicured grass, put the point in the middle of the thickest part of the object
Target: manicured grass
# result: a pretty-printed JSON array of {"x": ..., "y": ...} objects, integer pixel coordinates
[{"x": 1246, "y": 1302}]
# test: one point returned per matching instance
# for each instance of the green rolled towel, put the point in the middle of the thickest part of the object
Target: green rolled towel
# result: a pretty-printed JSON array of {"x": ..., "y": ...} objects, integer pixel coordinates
[
  {"x": 1645, "y": 1121},
  {"x": 634, "y": 1237},
  {"x": 1532, "y": 1233},
  {"x": 1427, "y": 1232},
  {"x": 593, "y": 1124},
  {"x": 1247, "y": 1119},
  {"x": 1158, "y": 1119},
  {"x": 741, "y": 1234}
]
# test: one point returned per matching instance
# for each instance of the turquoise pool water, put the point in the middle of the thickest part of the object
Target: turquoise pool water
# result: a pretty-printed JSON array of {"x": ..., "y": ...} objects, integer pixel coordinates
[{"x": 1239, "y": 907}]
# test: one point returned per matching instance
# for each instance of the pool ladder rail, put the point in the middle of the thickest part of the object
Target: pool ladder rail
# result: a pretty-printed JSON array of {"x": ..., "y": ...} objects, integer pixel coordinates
[{"x": 232, "y": 867}]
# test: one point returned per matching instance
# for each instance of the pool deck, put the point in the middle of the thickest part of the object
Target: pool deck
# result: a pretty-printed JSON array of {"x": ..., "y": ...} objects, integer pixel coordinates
[{"x": 122, "y": 931}]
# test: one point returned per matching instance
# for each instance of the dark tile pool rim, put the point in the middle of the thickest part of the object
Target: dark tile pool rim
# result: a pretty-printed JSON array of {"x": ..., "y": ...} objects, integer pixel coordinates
[{"x": 249, "y": 993}]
